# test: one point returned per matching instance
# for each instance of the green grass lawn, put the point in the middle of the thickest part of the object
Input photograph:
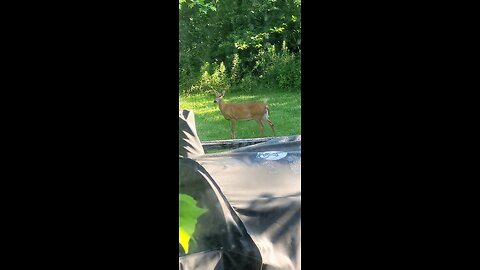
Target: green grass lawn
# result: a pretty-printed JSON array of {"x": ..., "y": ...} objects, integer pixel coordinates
[{"x": 211, "y": 125}]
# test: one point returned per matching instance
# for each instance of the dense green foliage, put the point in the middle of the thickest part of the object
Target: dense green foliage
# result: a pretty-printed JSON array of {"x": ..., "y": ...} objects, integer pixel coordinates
[{"x": 239, "y": 45}]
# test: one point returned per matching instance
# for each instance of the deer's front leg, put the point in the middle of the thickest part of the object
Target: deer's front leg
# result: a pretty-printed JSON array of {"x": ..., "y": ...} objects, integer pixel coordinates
[
  {"x": 260, "y": 127},
  {"x": 232, "y": 128}
]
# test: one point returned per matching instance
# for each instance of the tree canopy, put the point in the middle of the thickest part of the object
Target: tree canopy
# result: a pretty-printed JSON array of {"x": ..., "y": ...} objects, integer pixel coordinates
[{"x": 226, "y": 43}]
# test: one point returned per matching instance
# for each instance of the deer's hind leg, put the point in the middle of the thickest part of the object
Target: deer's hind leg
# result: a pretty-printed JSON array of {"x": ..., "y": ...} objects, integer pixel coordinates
[
  {"x": 270, "y": 123},
  {"x": 260, "y": 126}
]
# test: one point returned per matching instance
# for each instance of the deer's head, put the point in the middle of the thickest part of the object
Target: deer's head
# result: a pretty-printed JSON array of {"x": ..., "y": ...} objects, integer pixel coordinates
[{"x": 218, "y": 96}]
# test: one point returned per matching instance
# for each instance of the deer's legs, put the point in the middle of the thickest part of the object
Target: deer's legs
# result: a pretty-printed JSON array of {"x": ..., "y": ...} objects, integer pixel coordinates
[
  {"x": 232, "y": 128},
  {"x": 260, "y": 126},
  {"x": 271, "y": 125}
]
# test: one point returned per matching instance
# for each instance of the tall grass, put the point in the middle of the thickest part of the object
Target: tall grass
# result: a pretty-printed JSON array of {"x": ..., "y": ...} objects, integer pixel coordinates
[{"x": 285, "y": 113}]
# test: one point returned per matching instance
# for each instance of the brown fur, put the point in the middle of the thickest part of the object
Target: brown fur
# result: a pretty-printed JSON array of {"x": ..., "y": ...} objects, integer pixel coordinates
[{"x": 257, "y": 111}]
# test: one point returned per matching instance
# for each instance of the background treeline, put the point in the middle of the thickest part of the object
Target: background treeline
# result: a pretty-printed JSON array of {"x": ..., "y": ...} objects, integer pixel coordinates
[{"x": 239, "y": 45}]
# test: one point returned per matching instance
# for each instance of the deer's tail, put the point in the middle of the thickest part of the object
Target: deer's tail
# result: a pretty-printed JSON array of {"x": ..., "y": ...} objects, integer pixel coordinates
[{"x": 268, "y": 110}]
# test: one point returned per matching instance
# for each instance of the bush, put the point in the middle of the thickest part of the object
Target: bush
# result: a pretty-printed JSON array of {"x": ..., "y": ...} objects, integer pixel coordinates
[
  {"x": 246, "y": 85},
  {"x": 279, "y": 71},
  {"x": 216, "y": 80},
  {"x": 283, "y": 69}
]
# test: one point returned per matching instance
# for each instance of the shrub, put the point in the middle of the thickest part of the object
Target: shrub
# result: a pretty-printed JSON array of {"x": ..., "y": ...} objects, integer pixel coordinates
[
  {"x": 284, "y": 69},
  {"x": 216, "y": 80}
]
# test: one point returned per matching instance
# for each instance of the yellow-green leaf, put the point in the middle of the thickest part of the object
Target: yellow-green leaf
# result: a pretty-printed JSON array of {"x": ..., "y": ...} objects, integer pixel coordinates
[
  {"x": 188, "y": 215},
  {"x": 183, "y": 239}
]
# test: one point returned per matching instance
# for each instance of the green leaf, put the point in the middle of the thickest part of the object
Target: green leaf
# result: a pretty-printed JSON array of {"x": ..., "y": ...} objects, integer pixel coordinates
[
  {"x": 187, "y": 219},
  {"x": 183, "y": 239}
]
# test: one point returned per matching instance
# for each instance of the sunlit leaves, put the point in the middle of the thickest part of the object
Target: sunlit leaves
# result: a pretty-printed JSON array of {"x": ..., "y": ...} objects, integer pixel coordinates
[
  {"x": 183, "y": 238},
  {"x": 187, "y": 219},
  {"x": 277, "y": 29},
  {"x": 241, "y": 45},
  {"x": 203, "y": 7},
  {"x": 180, "y": 2}
]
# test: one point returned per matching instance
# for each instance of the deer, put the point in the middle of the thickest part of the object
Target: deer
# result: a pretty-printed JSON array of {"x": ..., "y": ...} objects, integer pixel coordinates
[{"x": 232, "y": 112}]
